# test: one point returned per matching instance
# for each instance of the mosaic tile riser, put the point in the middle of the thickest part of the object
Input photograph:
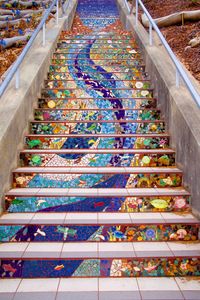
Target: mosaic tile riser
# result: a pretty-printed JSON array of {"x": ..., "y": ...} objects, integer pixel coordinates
[
  {"x": 120, "y": 160},
  {"x": 64, "y": 180},
  {"x": 100, "y": 233},
  {"x": 148, "y": 267},
  {"x": 92, "y": 204},
  {"x": 94, "y": 142}
]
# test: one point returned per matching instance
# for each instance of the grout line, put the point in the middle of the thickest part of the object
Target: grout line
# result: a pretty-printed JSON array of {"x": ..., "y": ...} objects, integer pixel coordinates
[
  {"x": 138, "y": 288},
  {"x": 181, "y": 291},
  {"x": 17, "y": 289},
  {"x": 57, "y": 292}
]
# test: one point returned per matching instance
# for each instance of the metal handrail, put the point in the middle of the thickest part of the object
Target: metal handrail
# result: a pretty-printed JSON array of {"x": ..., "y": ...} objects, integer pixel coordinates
[
  {"x": 127, "y": 6},
  {"x": 180, "y": 72},
  {"x": 15, "y": 67}
]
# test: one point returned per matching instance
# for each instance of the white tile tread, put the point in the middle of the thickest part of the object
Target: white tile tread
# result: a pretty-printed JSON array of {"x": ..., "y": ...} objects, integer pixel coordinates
[
  {"x": 80, "y": 218},
  {"x": 99, "y": 151},
  {"x": 96, "y": 249},
  {"x": 91, "y": 170},
  {"x": 100, "y": 192},
  {"x": 100, "y": 288}
]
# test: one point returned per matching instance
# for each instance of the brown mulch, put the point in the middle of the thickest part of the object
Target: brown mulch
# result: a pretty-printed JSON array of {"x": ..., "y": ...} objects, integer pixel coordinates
[
  {"x": 8, "y": 56},
  {"x": 178, "y": 36}
]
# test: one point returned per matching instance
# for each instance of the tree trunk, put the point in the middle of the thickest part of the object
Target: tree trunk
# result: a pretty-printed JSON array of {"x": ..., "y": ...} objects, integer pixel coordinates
[{"x": 174, "y": 19}]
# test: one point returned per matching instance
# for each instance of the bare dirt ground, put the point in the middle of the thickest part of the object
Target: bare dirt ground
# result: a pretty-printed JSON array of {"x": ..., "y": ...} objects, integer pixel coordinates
[{"x": 178, "y": 36}]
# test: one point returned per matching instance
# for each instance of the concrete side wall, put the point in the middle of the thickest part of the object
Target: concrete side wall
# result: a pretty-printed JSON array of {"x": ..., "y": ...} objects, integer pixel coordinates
[
  {"x": 16, "y": 106},
  {"x": 177, "y": 106}
]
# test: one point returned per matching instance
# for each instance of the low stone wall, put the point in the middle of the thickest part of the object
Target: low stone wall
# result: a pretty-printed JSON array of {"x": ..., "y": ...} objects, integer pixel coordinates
[
  {"x": 179, "y": 110},
  {"x": 16, "y": 106}
]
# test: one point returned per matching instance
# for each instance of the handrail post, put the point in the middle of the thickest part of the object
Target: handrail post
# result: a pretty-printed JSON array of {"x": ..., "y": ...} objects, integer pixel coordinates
[
  {"x": 136, "y": 12},
  {"x": 44, "y": 35},
  {"x": 150, "y": 34},
  {"x": 57, "y": 12},
  {"x": 17, "y": 79}
]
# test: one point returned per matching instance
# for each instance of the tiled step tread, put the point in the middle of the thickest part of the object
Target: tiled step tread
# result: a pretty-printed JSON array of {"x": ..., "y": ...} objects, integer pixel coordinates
[
  {"x": 173, "y": 288},
  {"x": 97, "y": 170},
  {"x": 48, "y": 192},
  {"x": 98, "y": 218},
  {"x": 114, "y": 135},
  {"x": 98, "y": 250},
  {"x": 97, "y": 110},
  {"x": 105, "y": 151},
  {"x": 99, "y": 121},
  {"x": 95, "y": 99}
]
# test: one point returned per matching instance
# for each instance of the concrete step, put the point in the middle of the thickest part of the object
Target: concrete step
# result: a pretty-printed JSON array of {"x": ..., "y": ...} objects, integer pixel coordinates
[
  {"x": 68, "y": 35},
  {"x": 95, "y": 114},
  {"x": 90, "y": 177},
  {"x": 96, "y": 250},
  {"x": 71, "y": 93},
  {"x": 132, "y": 63},
  {"x": 51, "y": 227},
  {"x": 173, "y": 288},
  {"x": 136, "y": 73},
  {"x": 97, "y": 200},
  {"x": 104, "y": 55},
  {"x": 122, "y": 44},
  {"x": 67, "y": 158},
  {"x": 109, "y": 84},
  {"x": 101, "y": 141},
  {"x": 81, "y": 103},
  {"x": 104, "y": 37},
  {"x": 98, "y": 127},
  {"x": 99, "y": 192},
  {"x": 102, "y": 50},
  {"x": 60, "y": 267},
  {"x": 104, "y": 218}
]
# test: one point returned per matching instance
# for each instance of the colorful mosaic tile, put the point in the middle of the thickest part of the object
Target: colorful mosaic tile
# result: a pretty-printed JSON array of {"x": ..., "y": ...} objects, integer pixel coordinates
[
  {"x": 45, "y": 142},
  {"x": 97, "y": 115},
  {"x": 148, "y": 267},
  {"x": 99, "y": 233},
  {"x": 90, "y": 104},
  {"x": 92, "y": 204},
  {"x": 87, "y": 180},
  {"x": 123, "y": 127},
  {"x": 93, "y": 160}
]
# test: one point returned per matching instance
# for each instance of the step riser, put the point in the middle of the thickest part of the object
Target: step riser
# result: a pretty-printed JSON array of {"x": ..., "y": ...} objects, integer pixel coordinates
[
  {"x": 134, "y": 73},
  {"x": 105, "y": 93},
  {"x": 51, "y": 115},
  {"x": 134, "y": 160},
  {"x": 99, "y": 41},
  {"x": 98, "y": 62},
  {"x": 99, "y": 76},
  {"x": 126, "y": 267},
  {"x": 88, "y": 204},
  {"x": 97, "y": 128},
  {"x": 95, "y": 103},
  {"x": 98, "y": 233},
  {"x": 94, "y": 56},
  {"x": 109, "y": 84},
  {"x": 101, "y": 143},
  {"x": 95, "y": 45},
  {"x": 102, "y": 51},
  {"x": 63, "y": 180}
]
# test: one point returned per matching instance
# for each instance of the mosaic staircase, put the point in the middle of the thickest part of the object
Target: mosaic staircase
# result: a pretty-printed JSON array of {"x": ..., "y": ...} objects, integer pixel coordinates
[{"x": 97, "y": 192}]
